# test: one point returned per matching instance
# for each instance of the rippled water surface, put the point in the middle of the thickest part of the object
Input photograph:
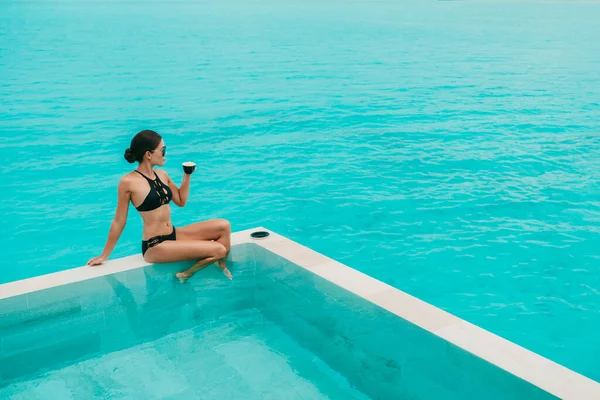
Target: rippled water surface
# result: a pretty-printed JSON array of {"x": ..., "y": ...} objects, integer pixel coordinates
[{"x": 450, "y": 149}]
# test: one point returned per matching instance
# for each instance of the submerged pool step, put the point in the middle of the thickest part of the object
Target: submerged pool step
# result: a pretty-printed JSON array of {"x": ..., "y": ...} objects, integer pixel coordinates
[
  {"x": 267, "y": 373},
  {"x": 240, "y": 356},
  {"x": 309, "y": 365}
]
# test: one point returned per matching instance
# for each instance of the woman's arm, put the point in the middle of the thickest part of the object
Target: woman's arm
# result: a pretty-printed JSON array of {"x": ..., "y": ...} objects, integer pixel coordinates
[
  {"x": 118, "y": 223},
  {"x": 181, "y": 193}
]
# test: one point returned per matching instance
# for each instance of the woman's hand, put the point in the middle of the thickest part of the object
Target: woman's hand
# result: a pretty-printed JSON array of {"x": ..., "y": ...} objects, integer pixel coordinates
[{"x": 97, "y": 260}]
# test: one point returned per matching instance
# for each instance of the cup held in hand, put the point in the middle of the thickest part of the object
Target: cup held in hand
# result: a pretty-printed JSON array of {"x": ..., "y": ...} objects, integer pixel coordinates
[{"x": 189, "y": 167}]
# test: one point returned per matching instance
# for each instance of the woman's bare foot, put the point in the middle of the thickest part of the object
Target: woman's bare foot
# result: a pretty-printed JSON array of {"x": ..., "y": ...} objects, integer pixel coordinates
[
  {"x": 182, "y": 276},
  {"x": 227, "y": 273},
  {"x": 223, "y": 265}
]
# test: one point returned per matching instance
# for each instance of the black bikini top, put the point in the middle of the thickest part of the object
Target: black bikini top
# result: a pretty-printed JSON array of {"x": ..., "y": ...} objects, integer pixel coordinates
[{"x": 159, "y": 194}]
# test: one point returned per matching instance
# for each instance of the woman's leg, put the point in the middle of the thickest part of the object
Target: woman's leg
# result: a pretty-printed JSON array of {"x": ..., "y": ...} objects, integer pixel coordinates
[
  {"x": 218, "y": 230},
  {"x": 207, "y": 252},
  {"x": 187, "y": 274}
]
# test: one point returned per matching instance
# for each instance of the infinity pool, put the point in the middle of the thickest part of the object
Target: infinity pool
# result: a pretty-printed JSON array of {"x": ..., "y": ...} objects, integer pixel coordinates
[{"x": 276, "y": 331}]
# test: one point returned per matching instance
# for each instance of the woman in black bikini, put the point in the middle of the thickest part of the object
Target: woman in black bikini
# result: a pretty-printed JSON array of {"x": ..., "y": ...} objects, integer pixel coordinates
[{"x": 208, "y": 241}]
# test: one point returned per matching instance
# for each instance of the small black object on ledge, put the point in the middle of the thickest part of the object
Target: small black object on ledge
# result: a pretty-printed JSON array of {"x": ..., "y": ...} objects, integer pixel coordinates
[{"x": 259, "y": 234}]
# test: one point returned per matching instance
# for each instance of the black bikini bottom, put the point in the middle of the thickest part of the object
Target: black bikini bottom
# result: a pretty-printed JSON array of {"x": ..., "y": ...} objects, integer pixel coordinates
[{"x": 156, "y": 240}]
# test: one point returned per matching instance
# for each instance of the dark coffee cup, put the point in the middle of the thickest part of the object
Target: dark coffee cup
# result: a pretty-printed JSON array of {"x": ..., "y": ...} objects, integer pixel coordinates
[{"x": 189, "y": 167}]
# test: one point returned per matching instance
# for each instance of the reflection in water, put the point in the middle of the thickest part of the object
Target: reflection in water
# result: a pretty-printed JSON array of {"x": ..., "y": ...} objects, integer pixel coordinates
[{"x": 153, "y": 302}]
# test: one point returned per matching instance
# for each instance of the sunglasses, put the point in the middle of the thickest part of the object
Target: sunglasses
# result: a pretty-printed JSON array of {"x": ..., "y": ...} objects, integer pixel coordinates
[{"x": 164, "y": 151}]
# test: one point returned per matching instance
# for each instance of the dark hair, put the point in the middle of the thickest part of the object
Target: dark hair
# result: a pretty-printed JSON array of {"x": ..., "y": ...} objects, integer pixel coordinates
[{"x": 142, "y": 142}]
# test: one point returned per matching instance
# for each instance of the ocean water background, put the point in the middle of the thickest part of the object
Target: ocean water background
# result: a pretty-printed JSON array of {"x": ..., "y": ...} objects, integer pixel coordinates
[{"x": 450, "y": 149}]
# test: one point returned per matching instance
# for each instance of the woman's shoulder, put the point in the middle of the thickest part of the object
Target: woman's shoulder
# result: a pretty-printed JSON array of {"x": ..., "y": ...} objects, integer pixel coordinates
[
  {"x": 128, "y": 179},
  {"x": 128, "y": 176},
  {"x": 162, "y": 174}
]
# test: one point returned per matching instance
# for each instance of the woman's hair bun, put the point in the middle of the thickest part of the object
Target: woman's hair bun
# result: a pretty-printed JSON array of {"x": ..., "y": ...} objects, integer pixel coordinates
[
  {"x": 129, "y": 156},
  {"x": 142, "y": 142}
]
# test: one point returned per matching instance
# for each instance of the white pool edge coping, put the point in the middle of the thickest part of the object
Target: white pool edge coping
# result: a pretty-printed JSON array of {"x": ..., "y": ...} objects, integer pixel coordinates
[
  {"x": 59, "y": 278},
  {"x": 527, "y": 365}
]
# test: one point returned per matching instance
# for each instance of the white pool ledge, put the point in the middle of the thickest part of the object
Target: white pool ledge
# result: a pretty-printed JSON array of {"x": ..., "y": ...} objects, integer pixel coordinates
[
  {"x": 527, "y": 365},
  {"x": 539, "y": 371}
]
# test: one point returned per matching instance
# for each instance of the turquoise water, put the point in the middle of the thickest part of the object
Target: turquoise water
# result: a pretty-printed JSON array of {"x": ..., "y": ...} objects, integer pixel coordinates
[
  {"x": 141, "y": 334},
  {"x": 210, "y": 362},
  {"x": 447, "y": 148},
  {"x": 276, "y": 331}
]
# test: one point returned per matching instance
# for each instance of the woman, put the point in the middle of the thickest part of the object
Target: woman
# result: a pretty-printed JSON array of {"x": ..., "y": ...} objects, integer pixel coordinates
[{"x": 151, "y": 191}]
